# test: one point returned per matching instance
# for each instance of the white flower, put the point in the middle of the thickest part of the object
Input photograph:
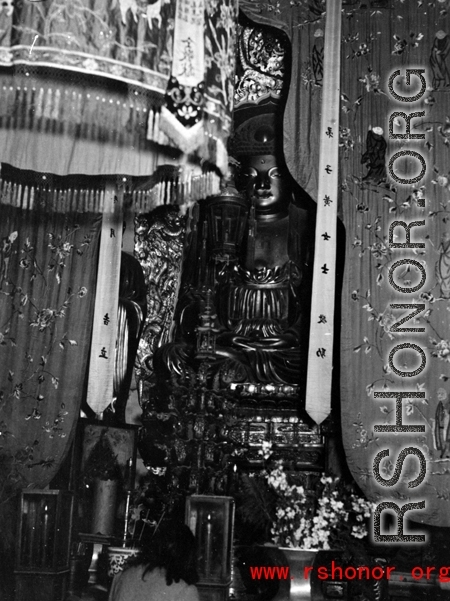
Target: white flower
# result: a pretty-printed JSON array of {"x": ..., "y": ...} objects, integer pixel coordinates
[
  {"x": 5, "y": 56},
  {"x": 90, "y": 64}
]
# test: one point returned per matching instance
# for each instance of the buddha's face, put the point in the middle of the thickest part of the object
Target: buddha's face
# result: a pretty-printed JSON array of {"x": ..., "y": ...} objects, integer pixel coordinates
[{"x": 265, "y": 180}]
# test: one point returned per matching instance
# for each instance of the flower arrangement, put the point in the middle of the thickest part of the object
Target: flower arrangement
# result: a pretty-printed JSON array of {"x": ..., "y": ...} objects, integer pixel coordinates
[
  {"x": 330, "y": 519},
  {"x": 331, "y": 515}
]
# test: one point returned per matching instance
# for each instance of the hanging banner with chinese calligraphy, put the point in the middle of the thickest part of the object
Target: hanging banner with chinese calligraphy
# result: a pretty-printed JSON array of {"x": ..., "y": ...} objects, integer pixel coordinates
[
  {"x": 318, "y": 388},
  {"x": 104, "y": 330},
  {"x": 181, "y": 118}
]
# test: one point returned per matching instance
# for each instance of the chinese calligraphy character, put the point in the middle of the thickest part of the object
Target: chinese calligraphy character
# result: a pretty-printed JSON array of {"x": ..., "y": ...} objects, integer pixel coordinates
[
  {"x": 187, "y": 59},
  {"x": 322, "y": 319},
  {"x": 325, "y": 269},
  {"x": 329, "y": 132},
  {"x": 106, "y": 319},
  {"x": 103, "y": 354},
  {"x": 326, "y": 236},
  {"x": 328, "y": 169},
  {"x": 321, "y": 353},
  {"x": 327, "y": 201}
]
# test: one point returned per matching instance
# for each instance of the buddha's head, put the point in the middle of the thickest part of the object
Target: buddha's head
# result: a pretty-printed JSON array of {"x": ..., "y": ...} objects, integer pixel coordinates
[
  {"x": 264, "y": 178},
  {"x": 263, "y": 175}
]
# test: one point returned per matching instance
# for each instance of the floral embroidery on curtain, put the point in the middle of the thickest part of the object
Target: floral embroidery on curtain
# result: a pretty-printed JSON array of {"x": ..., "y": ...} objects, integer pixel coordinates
[
  {"x": 49, "y": 245},
  {"x": 376, "y": 43}
]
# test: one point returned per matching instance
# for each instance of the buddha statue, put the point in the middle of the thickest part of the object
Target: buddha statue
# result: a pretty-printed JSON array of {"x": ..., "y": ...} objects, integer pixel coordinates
[
  {"x": 244, "y": 299},
  {"x": 255, "y": 289},
  {"x": 234, "y": 370},
  {"x": 263, "y": 299}
]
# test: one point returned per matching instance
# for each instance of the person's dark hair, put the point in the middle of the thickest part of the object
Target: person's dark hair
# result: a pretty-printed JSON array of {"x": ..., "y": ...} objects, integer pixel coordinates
[{"x": 173, "y": 547}]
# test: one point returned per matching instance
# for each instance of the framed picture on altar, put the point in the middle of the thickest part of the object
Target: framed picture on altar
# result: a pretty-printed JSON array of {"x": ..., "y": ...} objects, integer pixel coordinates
[{"x": 121, "y": 440}]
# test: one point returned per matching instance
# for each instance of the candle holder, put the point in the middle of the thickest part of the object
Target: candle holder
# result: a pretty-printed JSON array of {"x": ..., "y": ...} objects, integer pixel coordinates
[
  {"x": 211, "y": 519},
  {"x": 43, "y": 552}
]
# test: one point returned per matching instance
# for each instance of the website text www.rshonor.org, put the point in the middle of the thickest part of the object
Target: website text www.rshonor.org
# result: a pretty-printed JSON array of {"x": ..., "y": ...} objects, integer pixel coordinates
[{"x": 337, "y": 572}]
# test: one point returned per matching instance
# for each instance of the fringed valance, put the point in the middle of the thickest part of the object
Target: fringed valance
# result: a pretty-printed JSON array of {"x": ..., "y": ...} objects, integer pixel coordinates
[
  {"x": 85, "y": 112},
  {"x": 82, "y": 193},
  {"x": 91, "y": 113},
  {"x": 134, "y": 47},
  {"x": 172, "y": 185}
]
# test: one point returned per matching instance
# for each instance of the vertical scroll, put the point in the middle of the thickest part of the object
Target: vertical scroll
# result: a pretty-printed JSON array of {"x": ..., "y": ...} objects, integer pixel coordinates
[
  {"x": 320, "y": 357},
  {"x": 104, "y": 331}
]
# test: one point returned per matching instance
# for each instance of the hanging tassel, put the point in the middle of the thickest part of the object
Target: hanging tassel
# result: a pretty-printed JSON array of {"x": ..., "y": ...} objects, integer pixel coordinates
[
  {"x": 8, "y": 194},
  {"x": 55, "y": 109},
  {"x": 156, "y": 130},
  {"x": 69, "y": 201},
  {"x": 39, "y": 104},
  {"x": 64, "y": 118},
  {"x": 25, "y": 194},
  {"x": 9, "y": 101},
  {"x": 78, "y": 108},
  {"x": 150, "y": 124},
  {"x": 96, "y": 201},
  {"x": 137, "y": 127},
  {"x": 31, "y": 108},
  {"x": 55, "y": 203},
  {"x": 14, "y": 199},
  {"x": 18, "y": 109},
  {"x": 61, "y": 202},
  {"x": 27, "y": 104},
  {"x": 20, "y": 196},
  {"x": 32, "y": 197},
  {"x": 47, "y": 113}
]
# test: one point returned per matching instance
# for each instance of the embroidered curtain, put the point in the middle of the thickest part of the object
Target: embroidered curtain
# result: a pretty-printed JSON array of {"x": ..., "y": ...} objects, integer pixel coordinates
[
  {"x": 376, "y": 43},
  {"x": 49, "y": 248}
]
